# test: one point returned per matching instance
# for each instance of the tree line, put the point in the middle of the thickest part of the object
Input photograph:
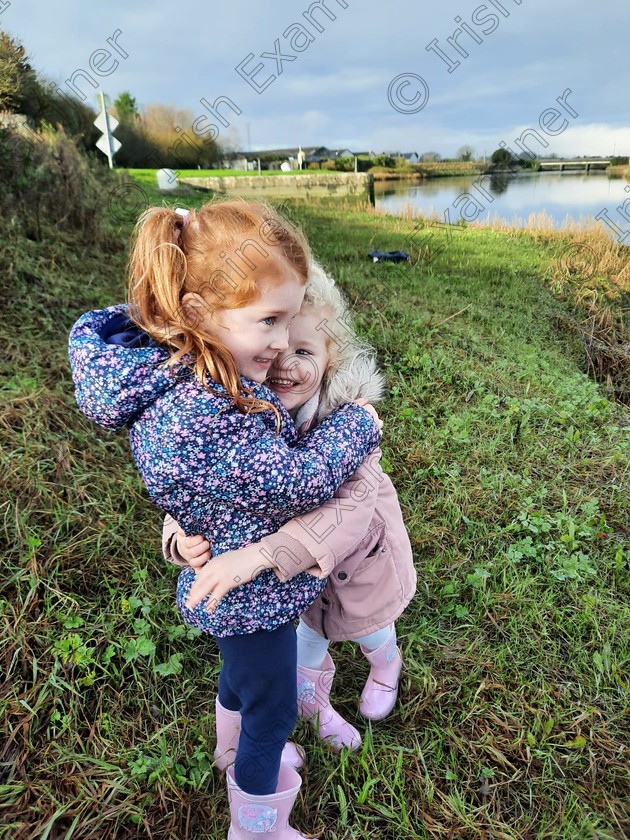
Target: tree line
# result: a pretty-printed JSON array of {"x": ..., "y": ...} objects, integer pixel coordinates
[{"x": 151, "y": 137}]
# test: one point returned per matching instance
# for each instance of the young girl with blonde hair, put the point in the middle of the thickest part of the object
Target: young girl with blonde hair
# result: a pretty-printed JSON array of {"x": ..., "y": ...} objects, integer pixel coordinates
[
  {"x": 211, "y": 296},
  {"x": 357, "y": 540}
]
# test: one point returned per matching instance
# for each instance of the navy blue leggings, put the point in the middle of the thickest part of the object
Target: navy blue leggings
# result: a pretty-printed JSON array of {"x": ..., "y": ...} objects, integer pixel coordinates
[{"x": 258, "y": 679}]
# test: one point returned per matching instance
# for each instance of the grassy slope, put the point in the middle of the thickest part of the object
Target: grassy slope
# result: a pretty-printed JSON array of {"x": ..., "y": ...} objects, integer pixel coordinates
[{"x": 513, "y": 472}]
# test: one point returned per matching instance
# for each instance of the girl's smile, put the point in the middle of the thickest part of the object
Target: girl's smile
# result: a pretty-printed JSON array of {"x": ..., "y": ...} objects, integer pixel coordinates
[
  {"x": 257, "y": 333},
  {"x": 297, "y": 371}
]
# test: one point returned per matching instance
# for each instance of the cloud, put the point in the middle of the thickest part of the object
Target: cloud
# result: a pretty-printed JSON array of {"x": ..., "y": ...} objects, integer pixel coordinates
[
  {"x": 600, "y": 139},
  {"x": 335, "y": 92}
]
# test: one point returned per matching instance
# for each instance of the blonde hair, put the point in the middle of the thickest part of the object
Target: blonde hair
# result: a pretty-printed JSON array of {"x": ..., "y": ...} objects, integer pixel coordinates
[
  {"x": 351, "y": 372},
  {"x": 204, "y": 253}
]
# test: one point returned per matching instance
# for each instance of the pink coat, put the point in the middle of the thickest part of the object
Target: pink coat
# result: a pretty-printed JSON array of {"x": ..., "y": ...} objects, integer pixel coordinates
[{"x": 359, "y": 541}]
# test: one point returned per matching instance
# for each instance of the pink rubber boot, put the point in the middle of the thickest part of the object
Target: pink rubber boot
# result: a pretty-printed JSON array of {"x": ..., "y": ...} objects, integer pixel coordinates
[
  {"x": 252, "y": 815},
  {"x": 314, "y": 701},
  {"x": 228, "y": 732},
  {"x": 381, "y": 689}
]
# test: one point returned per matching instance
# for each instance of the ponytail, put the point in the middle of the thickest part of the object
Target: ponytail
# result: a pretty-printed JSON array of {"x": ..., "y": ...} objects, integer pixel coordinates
[
  {"x": 157, "y": 270},
  {"x": 173, "y": 254}
]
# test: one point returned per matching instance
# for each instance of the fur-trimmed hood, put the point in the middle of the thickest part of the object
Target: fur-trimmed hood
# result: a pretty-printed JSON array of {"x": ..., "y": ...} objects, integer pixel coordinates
[{"x": 356, "y": 377}]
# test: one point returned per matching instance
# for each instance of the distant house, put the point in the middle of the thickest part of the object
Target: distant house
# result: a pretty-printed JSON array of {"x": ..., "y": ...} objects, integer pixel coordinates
[
  {"x": 323, "y": 153},
  {"x": 270, "y": 154},
  {"x": 318, "y": 155},
  {"x": 410, "y": 157},
  {"x": 235, "y": 162},
  {"x": 274, "y": 158}
]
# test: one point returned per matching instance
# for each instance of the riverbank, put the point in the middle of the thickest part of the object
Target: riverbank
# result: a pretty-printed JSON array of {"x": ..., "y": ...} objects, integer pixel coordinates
[
  {"x": 414, "y": 172},
  {"x": 621, "y": 171},
  {"x": 525, "y": 199},
  {"x": 512, "y": 470},
  {"x": 147, "y": 177},
  {"x": 310, "y": 185}
]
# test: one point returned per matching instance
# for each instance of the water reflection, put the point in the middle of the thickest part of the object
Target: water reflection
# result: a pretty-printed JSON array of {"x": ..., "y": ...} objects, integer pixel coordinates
[
  {"x": 498, "y": 182},
  {"x": 562, "y": 196}
]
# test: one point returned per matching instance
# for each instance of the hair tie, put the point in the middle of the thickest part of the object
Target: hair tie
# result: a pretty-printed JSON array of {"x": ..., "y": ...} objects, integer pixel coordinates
[{"x": 184, "y": 215}]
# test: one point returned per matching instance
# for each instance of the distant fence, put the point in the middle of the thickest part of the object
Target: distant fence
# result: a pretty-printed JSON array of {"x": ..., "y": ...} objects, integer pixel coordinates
[{"x": 311, "y": 185}]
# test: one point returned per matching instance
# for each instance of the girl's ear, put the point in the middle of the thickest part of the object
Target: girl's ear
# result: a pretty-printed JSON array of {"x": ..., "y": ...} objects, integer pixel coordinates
[{"x": 195, "y": 309}]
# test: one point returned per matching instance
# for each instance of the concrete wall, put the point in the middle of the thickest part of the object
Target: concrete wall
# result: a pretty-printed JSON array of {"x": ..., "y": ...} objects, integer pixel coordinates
[{"x": 308, "y": 185}]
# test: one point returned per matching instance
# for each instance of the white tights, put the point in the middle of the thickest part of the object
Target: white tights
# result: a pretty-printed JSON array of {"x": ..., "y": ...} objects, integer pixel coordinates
[{"x": 312, "y": 648}]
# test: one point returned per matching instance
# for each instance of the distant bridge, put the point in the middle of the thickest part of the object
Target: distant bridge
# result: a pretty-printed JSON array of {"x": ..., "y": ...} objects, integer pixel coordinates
[{"x": 574, "y": 164}]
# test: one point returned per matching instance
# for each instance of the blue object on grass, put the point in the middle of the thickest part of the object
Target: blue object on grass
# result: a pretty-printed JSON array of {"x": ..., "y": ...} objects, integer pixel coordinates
[{"x": 389, "y": 256}]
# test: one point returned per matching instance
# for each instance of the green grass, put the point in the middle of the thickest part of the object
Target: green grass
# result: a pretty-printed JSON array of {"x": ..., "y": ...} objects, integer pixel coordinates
[
  {"x": 512, "y": 469},
  {"x": 148, "y": 176}
]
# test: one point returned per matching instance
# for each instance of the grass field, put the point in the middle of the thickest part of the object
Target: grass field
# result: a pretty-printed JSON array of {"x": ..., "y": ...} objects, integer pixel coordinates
[
  {"x": 148, "y": 176},
  {"x": 442, "y": 169},
  {"x": 512, "y": 469}
]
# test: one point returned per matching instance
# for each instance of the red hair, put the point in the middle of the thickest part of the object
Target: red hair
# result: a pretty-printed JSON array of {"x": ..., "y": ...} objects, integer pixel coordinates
[{"x": 208, "y": 254}]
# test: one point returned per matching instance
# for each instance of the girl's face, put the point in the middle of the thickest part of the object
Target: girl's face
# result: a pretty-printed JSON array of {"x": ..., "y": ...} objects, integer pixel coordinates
[
  {"x": 297, "y": 371},
  {"x": 257, "y": 333}
]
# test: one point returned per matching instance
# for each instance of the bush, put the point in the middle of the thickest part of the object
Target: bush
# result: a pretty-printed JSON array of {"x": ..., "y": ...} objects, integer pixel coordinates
[
  {"x": 364, "y": 164},
  {"x": 383, "y": 160},
  {"x": 45, "y": 178},
  {"x": 345, "y": 164},
  {"x": 501, "y": 157},
  {"x": 20, "y": 90},
  {"x": 23, "y": 91}
]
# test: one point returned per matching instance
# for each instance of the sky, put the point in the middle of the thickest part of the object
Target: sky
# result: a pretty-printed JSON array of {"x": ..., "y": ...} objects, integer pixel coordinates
[{"x": 370, "y": 75}]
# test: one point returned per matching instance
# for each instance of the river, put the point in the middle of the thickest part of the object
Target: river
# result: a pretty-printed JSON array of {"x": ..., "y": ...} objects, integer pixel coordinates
[{"x": 562, "y": 197}]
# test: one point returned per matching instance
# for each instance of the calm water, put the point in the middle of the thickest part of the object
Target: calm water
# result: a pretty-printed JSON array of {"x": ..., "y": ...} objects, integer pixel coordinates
[{"x": 559, "y": 195}]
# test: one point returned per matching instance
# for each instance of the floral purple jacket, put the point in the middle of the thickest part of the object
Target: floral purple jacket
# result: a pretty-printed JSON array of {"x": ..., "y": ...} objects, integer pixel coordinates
[
  {"x": 357, "y": 540},
  {"x": 216, "y": 471}
]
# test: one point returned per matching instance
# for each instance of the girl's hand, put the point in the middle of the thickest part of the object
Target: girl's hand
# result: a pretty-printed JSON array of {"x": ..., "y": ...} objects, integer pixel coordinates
[
  {"x": 194, "y": 550},
  {"x": 225, "y": 572},
  {"x": 371, "y": 411}
]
